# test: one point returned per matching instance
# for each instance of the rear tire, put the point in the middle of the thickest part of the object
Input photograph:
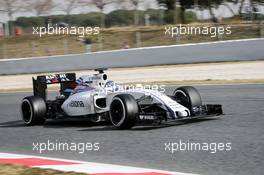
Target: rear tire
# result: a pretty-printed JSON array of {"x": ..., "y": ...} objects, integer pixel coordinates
[
  {"x": 34, "y": 110},
  {"x": 188, "y": 96},
  {"x": 123, "y": 111}
]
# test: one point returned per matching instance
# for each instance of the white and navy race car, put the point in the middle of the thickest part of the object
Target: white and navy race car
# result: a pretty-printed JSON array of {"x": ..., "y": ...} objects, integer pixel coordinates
[{"x": 96, "y": 98}]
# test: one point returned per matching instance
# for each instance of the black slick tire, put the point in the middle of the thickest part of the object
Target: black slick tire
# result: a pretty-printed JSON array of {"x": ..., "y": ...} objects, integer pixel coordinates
[
  {"x": 123, "y": 111},
  {"x": 34, "y": 110}
]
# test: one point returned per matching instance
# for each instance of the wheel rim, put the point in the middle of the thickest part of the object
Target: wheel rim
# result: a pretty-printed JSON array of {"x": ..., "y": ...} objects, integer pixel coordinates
[
  {"x": 117, "y": 112},
  {"x": 182, "y": 98},
  {"x": 27, "y": 111}
]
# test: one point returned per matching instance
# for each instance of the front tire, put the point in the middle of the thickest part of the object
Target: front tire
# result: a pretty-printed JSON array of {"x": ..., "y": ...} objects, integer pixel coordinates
[
  {"x": 34, "y": 110},
  {"x": 123, "y": 111},
  {"x": 188, "y": 96}
]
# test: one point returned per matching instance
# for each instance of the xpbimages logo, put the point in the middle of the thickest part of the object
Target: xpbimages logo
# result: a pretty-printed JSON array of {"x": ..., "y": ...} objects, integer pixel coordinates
[
  {"x": 212, "y": 31},
  {"x": 212, "y": 147},
  {"x": 58, "y": 30},
  {"x": 79, "y": 147}
]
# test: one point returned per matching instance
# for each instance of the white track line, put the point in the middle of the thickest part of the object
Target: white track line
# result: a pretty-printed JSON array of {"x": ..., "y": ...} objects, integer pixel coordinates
[{"x": 89, "y": 167}]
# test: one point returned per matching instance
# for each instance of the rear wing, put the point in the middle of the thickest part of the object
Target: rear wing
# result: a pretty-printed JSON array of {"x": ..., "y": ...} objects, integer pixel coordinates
[{"x": 40, "y": 83}]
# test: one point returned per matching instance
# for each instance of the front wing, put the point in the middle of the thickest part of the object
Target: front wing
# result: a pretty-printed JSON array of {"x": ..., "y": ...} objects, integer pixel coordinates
[{"x": 208, "y": 110}]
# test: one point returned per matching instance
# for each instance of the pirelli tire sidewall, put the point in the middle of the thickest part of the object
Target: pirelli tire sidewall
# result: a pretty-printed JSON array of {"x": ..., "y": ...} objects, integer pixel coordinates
[
  {"x": 123, "y": 111},
  {"x": 33, "y": 110},
  {"x": 190, "y": 96}
]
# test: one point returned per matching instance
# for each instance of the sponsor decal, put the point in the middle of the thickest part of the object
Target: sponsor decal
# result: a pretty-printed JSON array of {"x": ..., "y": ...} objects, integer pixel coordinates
[
  {"x": 146, "y": 117},
  {"x": 56, "y": 78},
  {"x": 76, "y": 104}
]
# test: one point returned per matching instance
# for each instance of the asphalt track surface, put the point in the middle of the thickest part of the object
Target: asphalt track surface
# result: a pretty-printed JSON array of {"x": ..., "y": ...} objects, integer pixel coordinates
[{"x": 242, "y": 125}]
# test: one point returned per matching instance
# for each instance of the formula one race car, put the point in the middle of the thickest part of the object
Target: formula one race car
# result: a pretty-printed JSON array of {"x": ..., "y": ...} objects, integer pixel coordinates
[{"x": 99, "y": 99}]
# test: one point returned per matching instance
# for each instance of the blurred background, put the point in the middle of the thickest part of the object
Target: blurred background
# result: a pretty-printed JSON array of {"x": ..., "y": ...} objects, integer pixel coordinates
[{"x": 124, "y": 23}]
